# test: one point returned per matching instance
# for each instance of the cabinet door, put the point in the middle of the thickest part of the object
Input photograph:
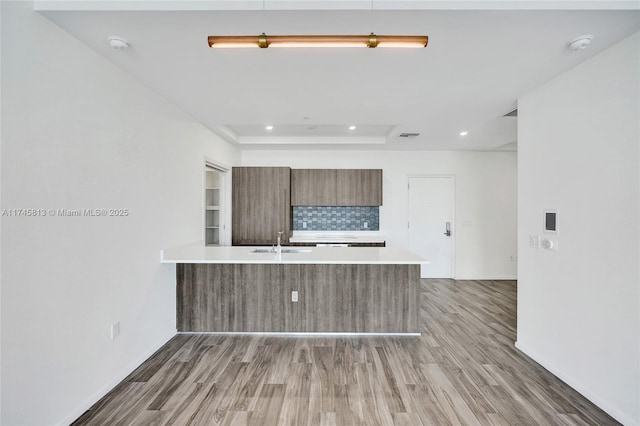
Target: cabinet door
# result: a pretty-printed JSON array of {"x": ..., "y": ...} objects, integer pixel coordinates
[
  {"x": 261, "y": 205},
  {"x": 313, "y": 187},
  {"x": 359, "y": 187}
]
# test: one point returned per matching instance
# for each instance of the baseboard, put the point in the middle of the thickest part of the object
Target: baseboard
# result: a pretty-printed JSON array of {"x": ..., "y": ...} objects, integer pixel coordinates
[
  {"x": 74, "y": 414},
  {"x": 296, "y": 334},
  {"x": 579, "y": 387},
  {"x": 502, "y": 278}
]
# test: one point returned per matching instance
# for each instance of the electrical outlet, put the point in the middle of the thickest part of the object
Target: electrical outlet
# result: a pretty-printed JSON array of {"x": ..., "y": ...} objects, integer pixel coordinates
[
  {"x": 294, "y": 296},
  {"x": 115, "y": 330},
  {"x": 304, "y": 225},
  {"x": 365, "y": 225}
]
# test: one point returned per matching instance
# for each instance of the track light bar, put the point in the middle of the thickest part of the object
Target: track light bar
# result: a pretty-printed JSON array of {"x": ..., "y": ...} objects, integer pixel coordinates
[{"x": 371, "y": 40}]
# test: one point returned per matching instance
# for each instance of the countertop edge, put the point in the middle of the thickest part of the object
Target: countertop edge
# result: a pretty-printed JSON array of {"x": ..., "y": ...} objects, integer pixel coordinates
[
  {"x": 198, "y": 253},
  {"x": 302, "y": 262}
]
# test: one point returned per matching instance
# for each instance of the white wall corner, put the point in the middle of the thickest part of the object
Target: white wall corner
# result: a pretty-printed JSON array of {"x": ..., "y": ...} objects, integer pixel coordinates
[
  {"x": 1, "y": 217},
  {"x": 579, "y": 152},
  {"x": 101, "y": 139},
  {"x": 577, "y": 385},
  {"x": 74, "y": 414}
]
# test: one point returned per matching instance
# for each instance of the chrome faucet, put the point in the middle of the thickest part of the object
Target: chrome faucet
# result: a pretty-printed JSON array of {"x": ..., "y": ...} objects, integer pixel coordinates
[{"x": 279, "y": 242}]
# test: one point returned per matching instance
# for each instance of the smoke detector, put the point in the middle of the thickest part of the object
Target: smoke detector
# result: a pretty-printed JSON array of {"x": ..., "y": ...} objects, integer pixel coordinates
[
  {"x": 581, "y": 42},
  {"x": 118, "y": 43}
]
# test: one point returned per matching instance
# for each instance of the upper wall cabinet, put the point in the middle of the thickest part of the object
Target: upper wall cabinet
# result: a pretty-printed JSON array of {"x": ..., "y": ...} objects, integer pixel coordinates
[
  {"x": 313, "y": 187},
  {"x": 336, "y": 187},
  {"x": 360, "y": 187},
  {"x": 261, "y": 201}
]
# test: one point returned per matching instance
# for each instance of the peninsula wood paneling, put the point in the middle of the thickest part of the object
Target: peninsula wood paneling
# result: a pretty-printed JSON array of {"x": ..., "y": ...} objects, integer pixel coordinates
[{"x": 332, "y": 298}]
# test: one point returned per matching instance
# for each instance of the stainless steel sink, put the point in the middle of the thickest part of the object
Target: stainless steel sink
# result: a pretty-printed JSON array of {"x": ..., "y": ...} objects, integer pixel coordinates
[{"x": 284, "y": 250}]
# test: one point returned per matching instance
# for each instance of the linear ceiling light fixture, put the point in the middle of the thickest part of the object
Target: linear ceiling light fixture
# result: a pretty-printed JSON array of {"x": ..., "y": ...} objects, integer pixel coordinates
[{"x": 371, "y": 40}]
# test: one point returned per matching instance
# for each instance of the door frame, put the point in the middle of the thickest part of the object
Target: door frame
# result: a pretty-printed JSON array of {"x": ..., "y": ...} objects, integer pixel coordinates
[{"x": 453, "y": 210}]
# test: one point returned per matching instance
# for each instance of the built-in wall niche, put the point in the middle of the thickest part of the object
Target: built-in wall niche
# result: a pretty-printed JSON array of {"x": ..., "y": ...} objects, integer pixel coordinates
[
  {"x": 212, "y": 206},
  {"x": 212, "y": 195}
]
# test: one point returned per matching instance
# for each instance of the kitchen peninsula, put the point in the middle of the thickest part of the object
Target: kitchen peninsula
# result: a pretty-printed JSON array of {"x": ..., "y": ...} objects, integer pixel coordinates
[{"x": 301, "y": 290}]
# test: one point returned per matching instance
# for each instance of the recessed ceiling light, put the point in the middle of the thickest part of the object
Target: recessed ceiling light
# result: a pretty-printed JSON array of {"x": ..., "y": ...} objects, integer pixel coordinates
[
  {"x": 269, "y": 127},
  {"x": 581, "y": 42},
  {"x": 352, "y": 127},
  {"x": 118, "y": 43},
  {"x": 465, "y": 133}
]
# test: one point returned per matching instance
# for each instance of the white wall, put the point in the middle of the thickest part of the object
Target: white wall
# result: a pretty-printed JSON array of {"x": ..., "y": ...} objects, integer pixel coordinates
[
  {"x": 485, "y": 198},
  {"x": 578, "y": 308},
  {"x": 0, "y": 218},
  {"x": 79, "y": 133}
]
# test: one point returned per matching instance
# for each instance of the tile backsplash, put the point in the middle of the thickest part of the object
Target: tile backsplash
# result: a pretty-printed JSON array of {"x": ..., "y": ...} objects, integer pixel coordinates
[{"x": 336, "y": 218}]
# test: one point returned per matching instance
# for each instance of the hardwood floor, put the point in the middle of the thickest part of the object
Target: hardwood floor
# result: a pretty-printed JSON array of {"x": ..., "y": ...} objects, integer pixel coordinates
[{"x": 463, "y": 370}]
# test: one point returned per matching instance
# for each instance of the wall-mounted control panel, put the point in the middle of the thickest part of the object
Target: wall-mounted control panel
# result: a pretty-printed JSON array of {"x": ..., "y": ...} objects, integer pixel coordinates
[
  {"x": 550, "y": 221},
  {"x": 550, "y": 229}
]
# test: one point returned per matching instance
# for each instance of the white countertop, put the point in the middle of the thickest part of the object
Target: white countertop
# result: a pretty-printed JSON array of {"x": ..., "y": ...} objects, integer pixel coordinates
[
  {"x": 336, "y": 237},
  {"x": 198, "y": 253}
]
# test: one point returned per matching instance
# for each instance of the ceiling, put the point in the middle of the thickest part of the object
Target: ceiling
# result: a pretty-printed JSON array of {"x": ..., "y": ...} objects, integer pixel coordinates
[{"x": 477, "y": 64}]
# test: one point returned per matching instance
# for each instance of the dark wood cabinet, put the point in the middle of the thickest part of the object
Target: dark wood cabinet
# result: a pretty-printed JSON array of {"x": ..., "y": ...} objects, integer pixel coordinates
[
  {"x": 359, "y": 187},
  {"x": 382, "y": 244},
  {"x": 336, "y": 187},
  {"x": 313, "y": 187},
  {"x": 261, "y": 201}
]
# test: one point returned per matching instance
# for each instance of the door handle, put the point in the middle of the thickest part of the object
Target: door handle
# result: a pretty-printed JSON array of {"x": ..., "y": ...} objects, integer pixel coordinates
[{"x": 447, "y": 232}]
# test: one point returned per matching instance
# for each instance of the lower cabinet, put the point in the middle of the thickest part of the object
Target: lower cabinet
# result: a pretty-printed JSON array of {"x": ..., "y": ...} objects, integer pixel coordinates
[{"x": 382, "y": 244}]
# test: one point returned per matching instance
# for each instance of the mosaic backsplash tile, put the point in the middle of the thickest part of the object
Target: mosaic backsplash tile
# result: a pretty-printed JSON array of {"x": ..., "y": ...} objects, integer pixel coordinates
[{"x": 336, "y": 218}]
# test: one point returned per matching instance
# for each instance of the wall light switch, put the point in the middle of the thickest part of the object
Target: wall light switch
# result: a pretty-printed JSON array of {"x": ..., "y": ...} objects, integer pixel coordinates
[
  {"x": 534, "y": 241},
  {"x": 115, "y": 330},
  {"x": 304, "y": 225},
  {"x": 365, "y": 225},
  {"x": 294, "y": 296}
]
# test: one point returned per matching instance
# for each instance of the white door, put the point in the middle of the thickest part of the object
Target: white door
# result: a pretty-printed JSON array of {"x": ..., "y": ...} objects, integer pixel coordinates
[{"x": 431, "y": 224}]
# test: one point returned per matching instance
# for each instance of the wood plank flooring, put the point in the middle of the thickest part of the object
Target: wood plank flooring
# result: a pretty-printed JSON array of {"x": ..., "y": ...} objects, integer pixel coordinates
[{"x": 463, "y": 370}]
